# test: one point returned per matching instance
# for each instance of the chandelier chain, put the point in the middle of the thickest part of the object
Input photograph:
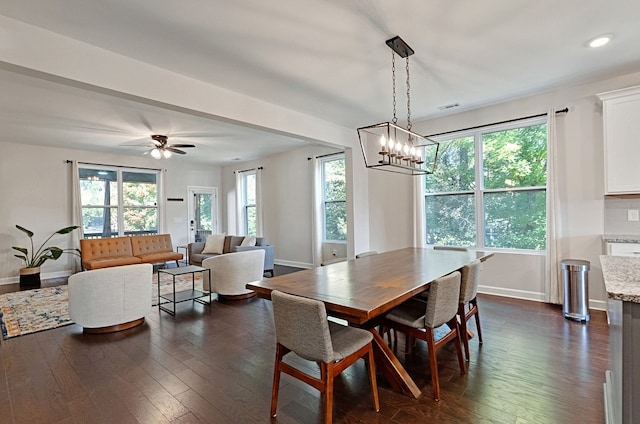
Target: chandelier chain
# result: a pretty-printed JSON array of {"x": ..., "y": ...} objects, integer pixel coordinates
[
  {"x": 393, "y": 78},
  {"x": 408, "y": 98}
]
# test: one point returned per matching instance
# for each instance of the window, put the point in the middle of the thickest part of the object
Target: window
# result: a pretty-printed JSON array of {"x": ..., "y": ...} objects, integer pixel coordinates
[
  {"x": 249, "y": 202},
  {"x": 489, "y": 189},
  {"x": 117, "y": 202},
  {"x": 334, "y": 198}
]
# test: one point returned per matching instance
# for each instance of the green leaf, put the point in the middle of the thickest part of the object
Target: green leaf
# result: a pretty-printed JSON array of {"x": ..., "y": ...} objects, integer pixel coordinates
[
  {"x": 24, "y": 230},
  {"x": 67, "y": 230},
  {"x": 21, "y": 250}
]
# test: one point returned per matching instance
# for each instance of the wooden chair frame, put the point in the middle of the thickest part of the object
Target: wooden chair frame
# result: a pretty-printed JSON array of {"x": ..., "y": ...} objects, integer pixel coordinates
[
  {"x": 328, "y": 372},
  {"x": 427, "y": 334},
  {"x": 466, "y": 316}
]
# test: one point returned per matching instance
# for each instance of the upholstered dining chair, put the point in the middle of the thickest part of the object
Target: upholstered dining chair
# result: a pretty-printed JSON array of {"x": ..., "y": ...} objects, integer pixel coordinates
[
  {"x": 468, "y": 291},
  {"x": 418, "y": 319},
  {"x": 302, "y": 328},
  {"x": 365, "y": 254}
]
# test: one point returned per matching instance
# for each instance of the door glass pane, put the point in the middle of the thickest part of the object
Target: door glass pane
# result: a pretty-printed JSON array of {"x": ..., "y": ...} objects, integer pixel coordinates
[
  {"x": 451, "y": 220},
  {"x": 515, "y": 220},
  {"x": 203, "y": 216}
]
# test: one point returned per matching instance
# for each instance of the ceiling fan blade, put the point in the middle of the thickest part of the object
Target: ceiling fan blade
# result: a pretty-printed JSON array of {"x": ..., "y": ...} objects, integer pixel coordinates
[
  {"x": 171, "y": 149},
  {"x": 182, "y": 146}
]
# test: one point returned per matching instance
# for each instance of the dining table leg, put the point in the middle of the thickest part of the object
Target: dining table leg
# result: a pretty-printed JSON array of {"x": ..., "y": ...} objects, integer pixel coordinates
[{"x": 391, "y": 368}]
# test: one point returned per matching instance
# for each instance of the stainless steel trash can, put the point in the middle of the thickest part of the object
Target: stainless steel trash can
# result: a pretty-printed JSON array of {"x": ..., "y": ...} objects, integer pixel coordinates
[{"x": 575, "y": 278}]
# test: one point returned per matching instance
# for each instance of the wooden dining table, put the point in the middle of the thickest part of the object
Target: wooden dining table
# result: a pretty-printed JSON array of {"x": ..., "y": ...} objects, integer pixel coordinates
[{"x": 362, "y": 290}]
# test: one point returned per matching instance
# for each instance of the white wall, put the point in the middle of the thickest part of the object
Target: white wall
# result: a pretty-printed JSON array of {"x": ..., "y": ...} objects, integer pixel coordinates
[
  {"x": 581, "y": 184},
  {"x": 287, "y": 190},
  {"x": 35, "y": 184}
]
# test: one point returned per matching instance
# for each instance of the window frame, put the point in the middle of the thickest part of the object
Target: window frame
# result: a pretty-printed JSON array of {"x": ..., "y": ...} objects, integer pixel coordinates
[
  {"x": 325, "y": 201},
  {"x": 120, "y": 207},
  {"x": 479, "y": 191},
  {"x": 245, "y": 202}
]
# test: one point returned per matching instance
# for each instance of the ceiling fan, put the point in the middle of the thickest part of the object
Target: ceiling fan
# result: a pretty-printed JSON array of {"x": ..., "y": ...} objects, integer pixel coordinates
[{"x": 161, "y": 149}]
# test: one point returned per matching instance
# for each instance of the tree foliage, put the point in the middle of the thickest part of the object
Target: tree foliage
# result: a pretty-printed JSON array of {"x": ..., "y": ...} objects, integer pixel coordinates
[
  {"x": 512, "y": 160},
  {"x": 335, "y": 196}
]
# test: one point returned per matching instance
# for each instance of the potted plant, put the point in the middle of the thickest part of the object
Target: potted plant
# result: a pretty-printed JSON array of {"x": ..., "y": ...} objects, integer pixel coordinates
[{"x": 33, "y": 259}]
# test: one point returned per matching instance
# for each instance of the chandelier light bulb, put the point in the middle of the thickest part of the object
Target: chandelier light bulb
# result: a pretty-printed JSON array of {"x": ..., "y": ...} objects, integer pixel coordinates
[
  {"x": 391, "y": 144},
  {"x": 156, "y": 154},
  {"x": 383, "y": 141},
  {"x": 406, "y": 149}
]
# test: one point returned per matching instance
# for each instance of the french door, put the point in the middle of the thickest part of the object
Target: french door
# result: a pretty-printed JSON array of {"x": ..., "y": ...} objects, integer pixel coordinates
[{"x": 203, "y": 212}]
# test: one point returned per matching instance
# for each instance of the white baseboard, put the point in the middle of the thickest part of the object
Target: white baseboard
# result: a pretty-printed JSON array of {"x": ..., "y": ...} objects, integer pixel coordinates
[
  {"x": 46, "y": 276},
  {"x": 293, "y": 264},
  {"x": 599, "y": 305}
]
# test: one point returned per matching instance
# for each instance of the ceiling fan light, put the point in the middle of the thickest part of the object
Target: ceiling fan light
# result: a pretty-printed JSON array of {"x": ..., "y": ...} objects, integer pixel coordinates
[
  {"x": 166, "y": 154},
  {"x": 156, "y": 154}
]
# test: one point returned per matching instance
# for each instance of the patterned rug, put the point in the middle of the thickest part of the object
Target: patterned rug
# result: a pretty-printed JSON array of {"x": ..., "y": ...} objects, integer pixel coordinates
[{"x": 30, "y": 311}]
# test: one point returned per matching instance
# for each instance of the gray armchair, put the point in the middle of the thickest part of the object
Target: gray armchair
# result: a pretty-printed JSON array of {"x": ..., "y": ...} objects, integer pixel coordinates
[{"x": 269, "y": 254}]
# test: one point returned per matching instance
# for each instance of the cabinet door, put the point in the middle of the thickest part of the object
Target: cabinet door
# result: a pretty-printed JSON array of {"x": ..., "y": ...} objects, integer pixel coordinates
[
  {"x": 621, "y": 111},
  {"x": 623, "y": 249}
]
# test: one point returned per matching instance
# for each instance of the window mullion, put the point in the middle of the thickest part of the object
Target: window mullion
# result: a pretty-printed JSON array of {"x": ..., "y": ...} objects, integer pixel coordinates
[
  {"x": 479, "y": 194},
  {"x": 121, "y": 229}
]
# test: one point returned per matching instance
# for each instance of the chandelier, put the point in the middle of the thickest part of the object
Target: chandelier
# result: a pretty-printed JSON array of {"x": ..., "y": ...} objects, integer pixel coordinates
[{"x": 388, "y": 146}]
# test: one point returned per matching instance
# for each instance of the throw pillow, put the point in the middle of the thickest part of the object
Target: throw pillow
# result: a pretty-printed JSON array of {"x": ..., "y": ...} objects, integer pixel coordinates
[
  {"x": 248, "y": 241},
  {"x": 214, "y": 243}
]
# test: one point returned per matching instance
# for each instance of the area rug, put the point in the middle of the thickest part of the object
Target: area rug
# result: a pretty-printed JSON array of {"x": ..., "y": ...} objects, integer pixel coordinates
[{"x": 30, "y": 311}]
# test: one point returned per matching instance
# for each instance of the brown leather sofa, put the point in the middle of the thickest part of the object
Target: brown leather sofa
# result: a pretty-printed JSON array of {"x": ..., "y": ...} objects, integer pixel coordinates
[{"x": 117, "y": 251}]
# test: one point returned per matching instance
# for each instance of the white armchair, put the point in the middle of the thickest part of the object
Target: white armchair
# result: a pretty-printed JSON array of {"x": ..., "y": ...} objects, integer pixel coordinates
[
  {"x": 110, "y": 299},
  {"x": 230, "y": 273}
]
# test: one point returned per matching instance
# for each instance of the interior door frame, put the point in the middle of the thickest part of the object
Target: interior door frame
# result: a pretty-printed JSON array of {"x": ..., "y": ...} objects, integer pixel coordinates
[{"x": 215, "y": 208}]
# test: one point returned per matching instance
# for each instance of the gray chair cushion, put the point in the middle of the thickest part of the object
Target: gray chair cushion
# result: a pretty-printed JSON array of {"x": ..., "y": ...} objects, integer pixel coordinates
[
  {"x": 346, "y": 340},
  {"x": 302, "y": 326}
]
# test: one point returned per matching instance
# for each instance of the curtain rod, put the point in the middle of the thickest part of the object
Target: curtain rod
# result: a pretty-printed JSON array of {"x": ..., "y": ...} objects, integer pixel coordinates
[
  {"x": 324, "y": 156},
  {"x": 247, "y": 170},
  {"x": 565, "y": 110},
  {"x": 115, "y": 166}
]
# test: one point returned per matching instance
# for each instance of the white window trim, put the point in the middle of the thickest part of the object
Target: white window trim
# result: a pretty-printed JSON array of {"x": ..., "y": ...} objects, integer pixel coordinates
[
  {"x": 120, "y": 206},
  {"x": 479, "y": 186}
]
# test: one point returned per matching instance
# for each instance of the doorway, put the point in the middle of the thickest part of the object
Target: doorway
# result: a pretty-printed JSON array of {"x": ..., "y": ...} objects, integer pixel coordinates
[{"x": 203, "y": 212}]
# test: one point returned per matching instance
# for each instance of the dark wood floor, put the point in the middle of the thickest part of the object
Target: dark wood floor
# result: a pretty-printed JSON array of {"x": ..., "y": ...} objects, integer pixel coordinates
[{"x": 214, "y": 365}]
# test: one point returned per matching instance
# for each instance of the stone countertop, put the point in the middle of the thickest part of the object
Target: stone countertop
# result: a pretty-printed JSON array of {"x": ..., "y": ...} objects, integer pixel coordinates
[
  {"x": 621, "y": 238},
  {"x": 621, "y": 277}
]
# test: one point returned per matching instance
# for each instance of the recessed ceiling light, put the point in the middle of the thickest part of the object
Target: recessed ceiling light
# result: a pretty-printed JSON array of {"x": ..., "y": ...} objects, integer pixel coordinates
[{"x": 600, "y": 40}]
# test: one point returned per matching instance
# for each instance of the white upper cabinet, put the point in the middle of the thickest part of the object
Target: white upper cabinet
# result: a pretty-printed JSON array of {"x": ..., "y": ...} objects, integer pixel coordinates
[{"x": 621, "y": 112}]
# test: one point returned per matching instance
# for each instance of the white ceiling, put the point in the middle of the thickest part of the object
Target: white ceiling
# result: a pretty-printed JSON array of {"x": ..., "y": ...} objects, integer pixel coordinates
[{"x": 324, "y": 58}]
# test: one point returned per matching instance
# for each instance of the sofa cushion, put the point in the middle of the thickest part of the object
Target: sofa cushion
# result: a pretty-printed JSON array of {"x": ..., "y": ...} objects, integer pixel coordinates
[
  {"x": 248, "y": 241},
  {"x": 214, "y": 244},
  {"x": 234, "y": 241},
  {"x": 111, "y": 261}
]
